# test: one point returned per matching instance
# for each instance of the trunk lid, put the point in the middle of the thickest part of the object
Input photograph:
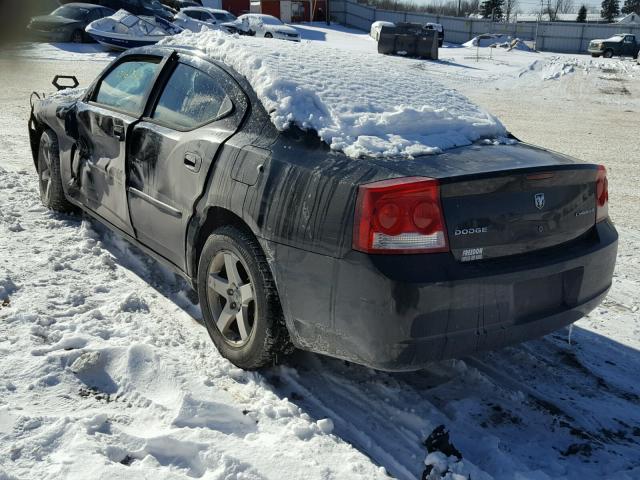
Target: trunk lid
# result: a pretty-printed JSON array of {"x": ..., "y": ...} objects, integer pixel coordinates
[
  {"x": 518, "y": 212},
  {"x": 504, "y": 200}
]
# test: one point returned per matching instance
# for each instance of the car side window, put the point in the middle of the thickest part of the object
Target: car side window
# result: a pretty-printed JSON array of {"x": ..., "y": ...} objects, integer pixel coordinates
[
  {"x": 95, "y": 14},
  {"x": 191, "y": 98},
  {"x": 628, "y": 39},
  {"x": 124, "y": 87}
]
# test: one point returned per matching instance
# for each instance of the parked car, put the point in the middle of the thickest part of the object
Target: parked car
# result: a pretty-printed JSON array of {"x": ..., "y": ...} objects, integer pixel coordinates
[
  {"x": 438, "y": 28},
  {"x": 138, "y": 7},
  {"x": 623, "y": 44},
  {"x": 267, "y": 26},
  {"x": 386, "y": 263},
  {"x": 195, "y": 18},
  {"x": 180, "y": 4},
  {"x": 67, "y": 23}
]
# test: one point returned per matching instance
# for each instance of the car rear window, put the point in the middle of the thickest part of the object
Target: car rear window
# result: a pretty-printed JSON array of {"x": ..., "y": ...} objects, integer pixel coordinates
[
  {"x": 124, "y": 88},
  {"x": 190, "y": 99},
  {"x": 72, "y": 13}
]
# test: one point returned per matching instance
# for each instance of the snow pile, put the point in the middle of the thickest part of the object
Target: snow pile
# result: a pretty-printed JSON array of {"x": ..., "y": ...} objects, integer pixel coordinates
[
  {"x": 558, "y": 66},
  {"x": 101, "y": 376},
  {"x": 487, "y": 40},
  {"x": 373, "y": 106},
  {"x": 502, "y": 41}
]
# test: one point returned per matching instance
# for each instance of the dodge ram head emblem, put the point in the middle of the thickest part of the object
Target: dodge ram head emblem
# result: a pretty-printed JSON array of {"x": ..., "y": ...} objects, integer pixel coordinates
[{"x": 539, "y": 201}]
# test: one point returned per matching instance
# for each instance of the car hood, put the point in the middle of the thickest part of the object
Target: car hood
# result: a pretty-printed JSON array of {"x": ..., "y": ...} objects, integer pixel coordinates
[
  {"x": 238, "y": 24},
  {"x": 53, "y": 20},
  {"x": 610, "y": 39},
  {"x": 280, "y": 28}
]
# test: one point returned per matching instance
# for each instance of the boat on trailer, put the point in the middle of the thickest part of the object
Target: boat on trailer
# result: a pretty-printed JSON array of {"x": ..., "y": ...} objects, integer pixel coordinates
[{"x": 123, "y": 30}]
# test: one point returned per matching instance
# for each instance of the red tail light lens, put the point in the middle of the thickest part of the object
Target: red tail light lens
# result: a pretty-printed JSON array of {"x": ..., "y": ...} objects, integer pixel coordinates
[
  {"x": 401, "y": 215},
  {"x": 602, "y": 194}
]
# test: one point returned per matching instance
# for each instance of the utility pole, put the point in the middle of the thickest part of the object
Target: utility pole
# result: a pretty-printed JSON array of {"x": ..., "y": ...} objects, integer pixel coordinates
[
  {"x": 535, "y": 42},
  {"x": 458, "y": 13}
]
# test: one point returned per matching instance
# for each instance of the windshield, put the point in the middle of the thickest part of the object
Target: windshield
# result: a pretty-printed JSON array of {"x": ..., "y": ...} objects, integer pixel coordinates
[
  {"x": 270, "y": 21},
  {"x": 224, "y": 17},
  {"x": 71, "y": 12}
]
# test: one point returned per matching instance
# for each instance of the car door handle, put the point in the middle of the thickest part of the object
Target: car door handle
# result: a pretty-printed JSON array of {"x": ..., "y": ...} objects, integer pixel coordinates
[
  {"x": 192, "y": 161},
  {"x": 118, "y": 131}
]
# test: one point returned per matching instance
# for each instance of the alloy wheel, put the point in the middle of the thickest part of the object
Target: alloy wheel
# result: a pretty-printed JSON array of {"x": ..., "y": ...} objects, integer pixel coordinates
[
  {"x": 44, "y": 171},
  {"x": 232, "y": 298}
]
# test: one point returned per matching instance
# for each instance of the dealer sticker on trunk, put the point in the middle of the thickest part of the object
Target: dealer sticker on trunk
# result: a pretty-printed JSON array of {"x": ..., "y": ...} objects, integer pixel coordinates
[{"x": 469, "y": 254}]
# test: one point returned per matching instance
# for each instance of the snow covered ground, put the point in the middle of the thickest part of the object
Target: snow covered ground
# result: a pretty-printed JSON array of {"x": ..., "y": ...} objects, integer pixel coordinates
[{"x": 106, "y": 372}]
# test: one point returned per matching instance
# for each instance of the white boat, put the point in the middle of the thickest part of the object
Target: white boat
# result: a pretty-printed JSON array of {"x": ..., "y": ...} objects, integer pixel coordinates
[{"x": 123, "y": 30}]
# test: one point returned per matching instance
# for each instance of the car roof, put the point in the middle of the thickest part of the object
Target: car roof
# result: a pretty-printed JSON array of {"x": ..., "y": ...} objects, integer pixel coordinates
[
  {"x": 259, "y": 15},
  {"x": 206, "y": 9},
  {"x": 89, "y": 6}
]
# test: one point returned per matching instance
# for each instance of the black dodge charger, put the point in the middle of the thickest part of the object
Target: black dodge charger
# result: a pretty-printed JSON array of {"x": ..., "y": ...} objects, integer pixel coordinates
[{"x": 289, "y": 243}]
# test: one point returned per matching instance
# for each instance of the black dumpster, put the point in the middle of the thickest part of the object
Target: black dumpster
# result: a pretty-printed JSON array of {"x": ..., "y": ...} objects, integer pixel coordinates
[{"x": 408, "y": 39}]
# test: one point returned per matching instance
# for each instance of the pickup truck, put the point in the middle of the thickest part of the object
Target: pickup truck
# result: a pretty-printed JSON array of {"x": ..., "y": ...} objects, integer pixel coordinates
[{"x": 623, "y": 45}]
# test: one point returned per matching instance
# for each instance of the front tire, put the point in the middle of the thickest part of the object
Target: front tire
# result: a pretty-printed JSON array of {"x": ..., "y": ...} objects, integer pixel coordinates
[
  {"x": 49, "y": 178},
  {"x": 268, "y": 35},
  {"x": 77, "y": 37},
  {"x": 608, "y": 54},
  {"x": 239, "y": 300}
]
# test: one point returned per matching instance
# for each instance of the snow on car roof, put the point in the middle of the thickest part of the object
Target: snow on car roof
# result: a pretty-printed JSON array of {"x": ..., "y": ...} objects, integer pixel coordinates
[{"x": 360, "y": 104}]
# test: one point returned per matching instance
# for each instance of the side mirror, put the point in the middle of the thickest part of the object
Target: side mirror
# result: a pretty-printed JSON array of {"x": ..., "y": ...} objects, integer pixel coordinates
[{"x": 63, "y": 86}]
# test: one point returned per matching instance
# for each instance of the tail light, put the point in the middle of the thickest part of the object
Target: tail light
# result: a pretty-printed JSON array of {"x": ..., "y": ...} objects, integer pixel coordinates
[
  {"x": 401, "y": 215},
  {"x": 602, "y": 194}
]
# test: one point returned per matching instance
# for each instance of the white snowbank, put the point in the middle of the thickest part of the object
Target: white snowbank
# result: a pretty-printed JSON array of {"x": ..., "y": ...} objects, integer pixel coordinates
[
  {"x": 361, "y": 104},
  {"x": 496, "y": 40}
]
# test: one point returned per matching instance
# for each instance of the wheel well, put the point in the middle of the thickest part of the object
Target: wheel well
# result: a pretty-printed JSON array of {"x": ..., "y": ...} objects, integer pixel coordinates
[
  {"x": 216, "y": 217},
  {"x": 36, "y": 129}
]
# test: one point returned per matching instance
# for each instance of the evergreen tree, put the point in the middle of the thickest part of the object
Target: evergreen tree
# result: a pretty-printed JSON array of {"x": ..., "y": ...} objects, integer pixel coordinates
[
  {"x": 492, "y": 9},
  {"x": 631, "y": 6},
  {"x": 610, "y": 10},
  {"x": 582, "y": 14}
]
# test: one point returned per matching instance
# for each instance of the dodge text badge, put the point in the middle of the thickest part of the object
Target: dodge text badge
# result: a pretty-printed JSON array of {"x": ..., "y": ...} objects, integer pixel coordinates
[{"x": 539, "y": 198}]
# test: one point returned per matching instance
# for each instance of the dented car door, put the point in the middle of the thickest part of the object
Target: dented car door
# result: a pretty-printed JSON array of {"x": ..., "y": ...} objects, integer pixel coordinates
[
  {"x": 104, "y": 120},
  {"x": 196, "y": 109}
]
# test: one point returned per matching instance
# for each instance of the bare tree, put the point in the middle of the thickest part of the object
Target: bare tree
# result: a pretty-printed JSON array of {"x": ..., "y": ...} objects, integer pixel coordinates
[
  {"x": 554, "y": 7},
  {"x": 510, "y": 8}
]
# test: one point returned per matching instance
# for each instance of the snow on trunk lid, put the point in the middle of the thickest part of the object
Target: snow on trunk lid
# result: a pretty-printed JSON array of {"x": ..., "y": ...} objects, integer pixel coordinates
[{"x": 361, "y": 104}]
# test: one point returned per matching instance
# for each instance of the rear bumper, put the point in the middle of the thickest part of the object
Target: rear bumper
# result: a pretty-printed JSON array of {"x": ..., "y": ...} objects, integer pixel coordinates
[{"x": 400, "y": 312}]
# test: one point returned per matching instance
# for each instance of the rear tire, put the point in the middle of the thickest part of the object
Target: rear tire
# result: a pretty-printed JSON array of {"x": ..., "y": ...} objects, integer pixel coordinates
[
  {"x": 49, "y": 178},
  {"x": 268, "y": 35},
  {"x": 239, "y": 301},
  {"x": 608, "y": 54}
]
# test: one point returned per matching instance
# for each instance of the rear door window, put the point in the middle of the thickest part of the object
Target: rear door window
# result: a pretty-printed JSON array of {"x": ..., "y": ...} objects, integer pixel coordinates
[
  {"x": 191, "y": 98},
  {"x": 125, "y": 87}
]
